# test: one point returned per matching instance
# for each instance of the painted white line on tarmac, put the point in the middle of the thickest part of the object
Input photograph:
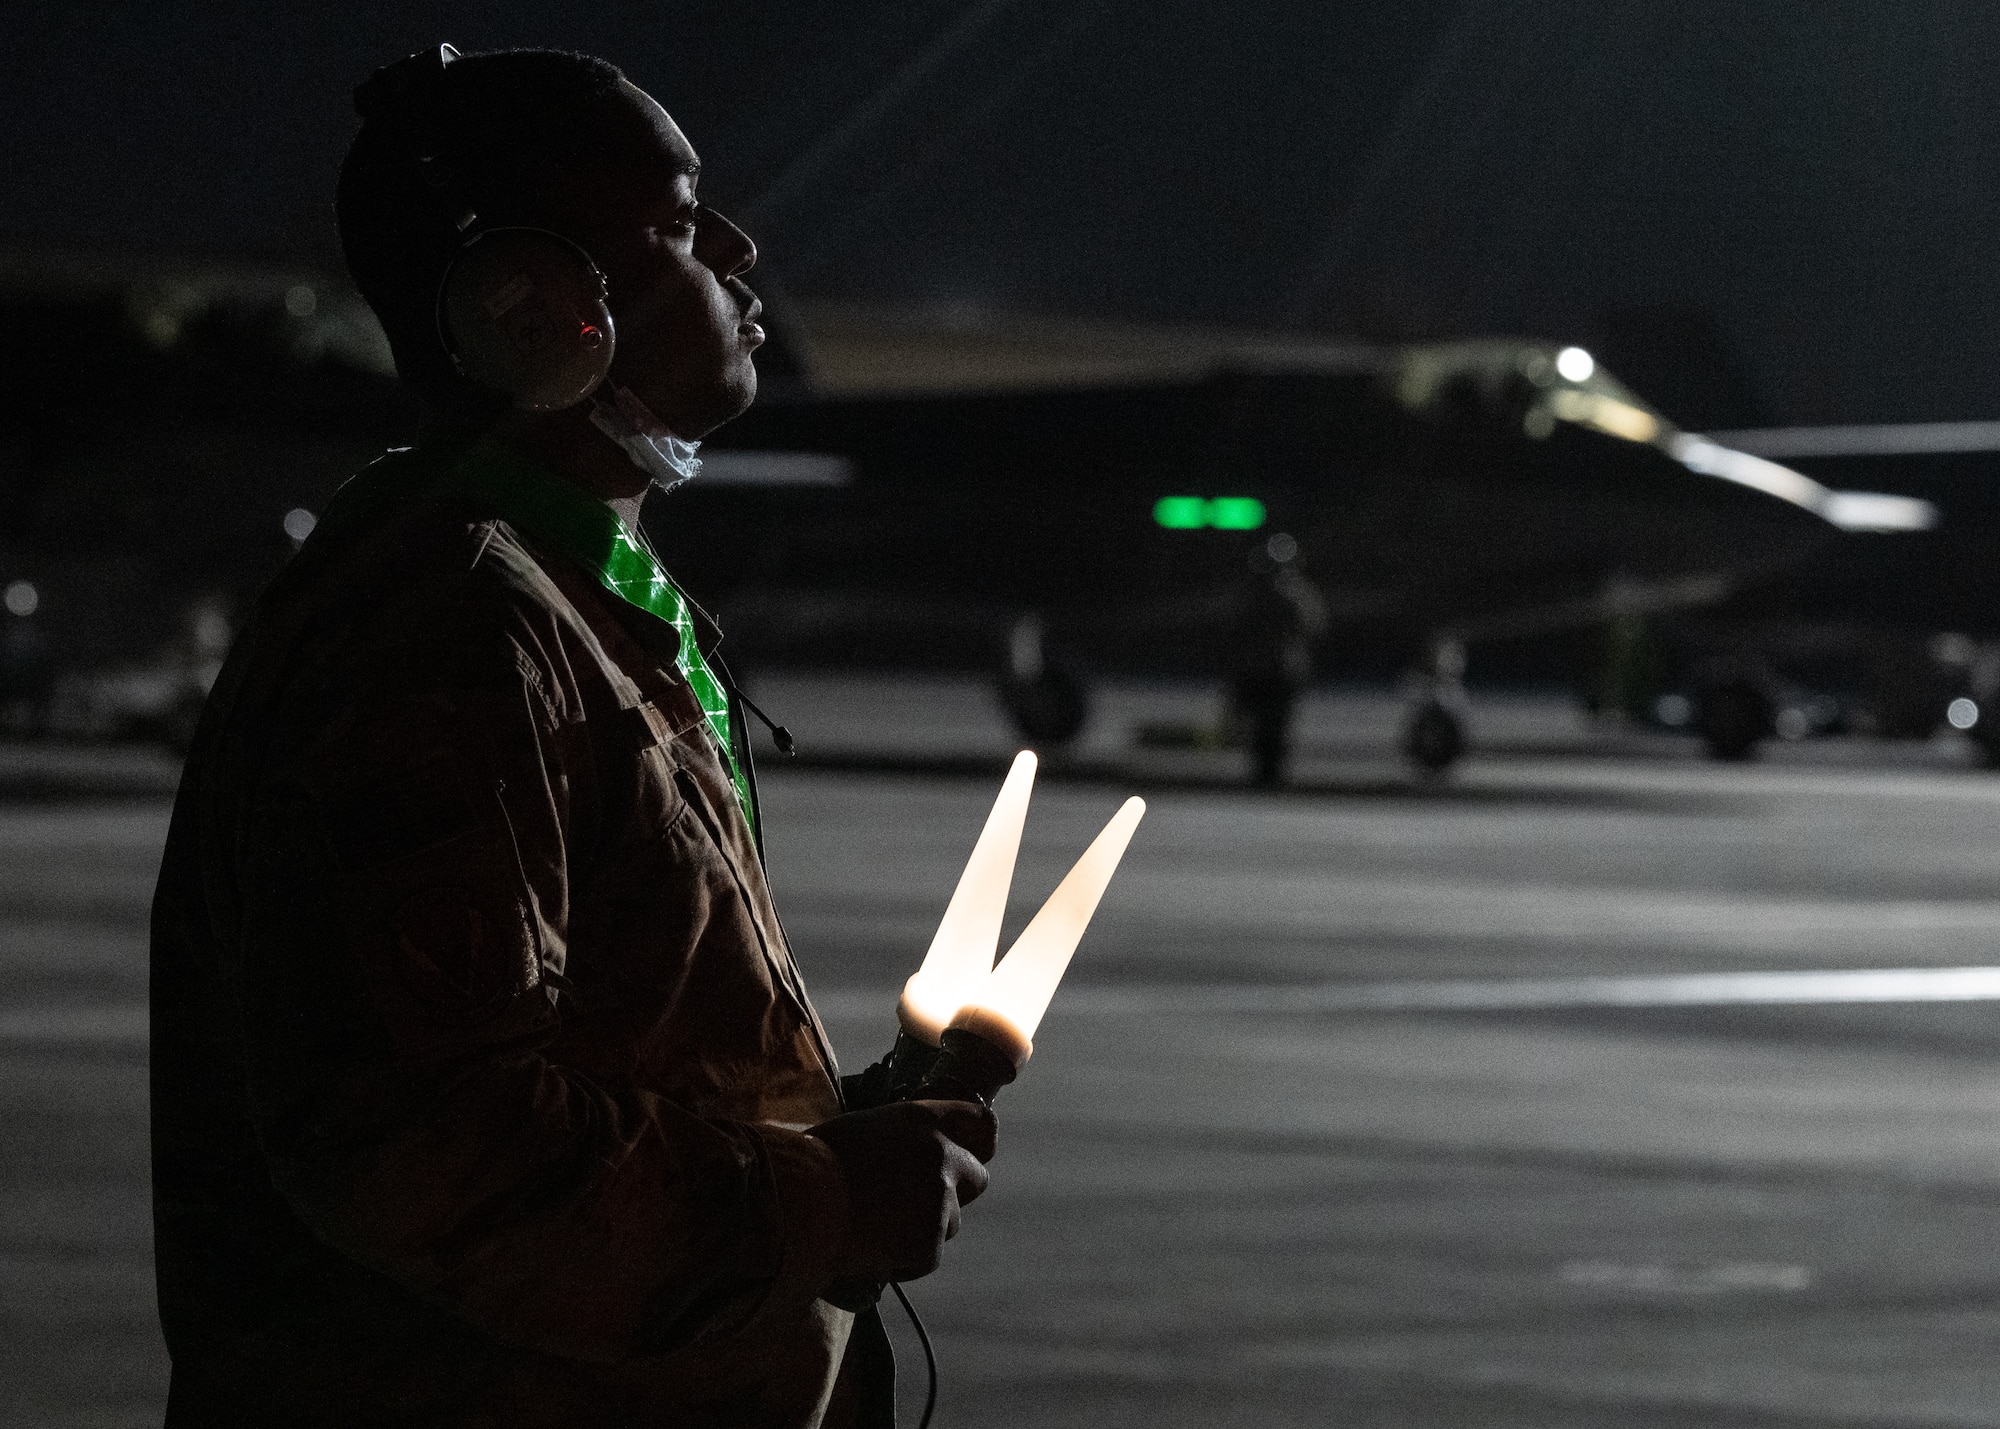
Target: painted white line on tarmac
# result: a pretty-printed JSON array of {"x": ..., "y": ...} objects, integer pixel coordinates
[
  {"x": 1719, "y": 1278},
  {"x": 1887, "y": 985},
  {"x": 1884, "y": 985},
  {"x": 126, "y": 1022}
]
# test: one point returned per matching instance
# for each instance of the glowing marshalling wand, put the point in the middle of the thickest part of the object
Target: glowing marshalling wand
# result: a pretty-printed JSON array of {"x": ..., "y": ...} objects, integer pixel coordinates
[
  {"x": 961, "y": 952},
  {"x": 967, "y": 1027}
]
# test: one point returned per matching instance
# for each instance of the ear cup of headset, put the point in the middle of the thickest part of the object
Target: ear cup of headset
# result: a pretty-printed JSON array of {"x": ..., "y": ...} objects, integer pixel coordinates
[{"x": 522, "y": 311}]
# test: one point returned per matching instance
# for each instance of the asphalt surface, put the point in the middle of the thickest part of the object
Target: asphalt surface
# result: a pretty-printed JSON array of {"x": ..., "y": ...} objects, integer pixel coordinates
[{"x": 1368, "y": 1103}]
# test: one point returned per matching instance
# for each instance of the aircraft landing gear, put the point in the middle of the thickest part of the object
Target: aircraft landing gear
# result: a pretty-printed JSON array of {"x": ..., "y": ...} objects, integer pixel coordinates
[
  {"x": 1048, "y": 710},
  {"x": 1047, "y": 703},
  {"x": 1733, "y": 718},
  {"x": 1433, "y": 737}
]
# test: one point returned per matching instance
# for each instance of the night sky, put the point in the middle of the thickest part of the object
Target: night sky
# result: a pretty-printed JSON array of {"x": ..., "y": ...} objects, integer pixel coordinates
[{"x": 1815, "y": 175}]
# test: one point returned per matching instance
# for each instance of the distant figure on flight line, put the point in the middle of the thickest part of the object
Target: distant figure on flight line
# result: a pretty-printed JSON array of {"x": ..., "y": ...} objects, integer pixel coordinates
[
  {"x": 485, "y": 1088},
  {"x": 1279, "y": 619}
]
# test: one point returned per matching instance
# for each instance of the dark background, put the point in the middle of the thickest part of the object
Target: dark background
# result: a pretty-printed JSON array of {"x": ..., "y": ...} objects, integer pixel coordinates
[
  {"x": 1375, "y": 1100},
  {"x": 1800, "y": 189}
]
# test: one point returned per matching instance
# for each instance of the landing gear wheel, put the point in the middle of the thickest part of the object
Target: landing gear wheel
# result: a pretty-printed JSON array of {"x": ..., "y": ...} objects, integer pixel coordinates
[
  {"x": 1049, "y": 709},
  {"x": 1732, "y": 720},
  {"x": 1985, "y": 736},
  {"x": 1434, "y": 738}
]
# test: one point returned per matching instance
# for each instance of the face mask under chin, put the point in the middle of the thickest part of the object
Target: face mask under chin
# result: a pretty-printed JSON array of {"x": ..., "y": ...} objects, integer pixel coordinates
[{"x": 665, "y": 458}]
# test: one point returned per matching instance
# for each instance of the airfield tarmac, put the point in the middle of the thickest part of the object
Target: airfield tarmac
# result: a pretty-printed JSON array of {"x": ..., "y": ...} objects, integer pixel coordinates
[{"x": 1368, "y": 1102}]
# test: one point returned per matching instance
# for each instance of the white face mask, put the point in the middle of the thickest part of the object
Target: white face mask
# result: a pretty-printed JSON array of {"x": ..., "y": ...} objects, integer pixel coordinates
[{"x": 644, "y": 438}]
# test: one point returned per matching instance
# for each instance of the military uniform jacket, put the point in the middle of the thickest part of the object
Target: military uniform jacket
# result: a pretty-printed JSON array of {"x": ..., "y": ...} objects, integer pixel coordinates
[{"x": 479, "y": 1059}]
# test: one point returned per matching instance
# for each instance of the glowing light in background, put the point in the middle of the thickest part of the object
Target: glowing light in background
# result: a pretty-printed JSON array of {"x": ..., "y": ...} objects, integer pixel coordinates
[
  {"x": 1605, "y": 414},
  {"x": 1876, "y": 511},
  {"x": 1673, "y": 711},
  {"x": 1575, "y": 364},
  {"x": 21, "y": 598},
  {"x": 1223, "y": 513},
  {"x": 1962, "y": 713},
  {"x": 1236, "y": 513},
  {"x": 961, "y": 952},
  {"x": 1849, "y": 510},
  {"x": 299, "y": 523}
]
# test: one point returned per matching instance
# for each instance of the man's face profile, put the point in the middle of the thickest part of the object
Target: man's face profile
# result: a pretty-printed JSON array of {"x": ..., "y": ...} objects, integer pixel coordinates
[{"x": 685, "y": 318}]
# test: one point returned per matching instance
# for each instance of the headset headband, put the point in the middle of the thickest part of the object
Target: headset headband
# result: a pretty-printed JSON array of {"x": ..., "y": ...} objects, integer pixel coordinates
[{"x": 405, "y": 95}]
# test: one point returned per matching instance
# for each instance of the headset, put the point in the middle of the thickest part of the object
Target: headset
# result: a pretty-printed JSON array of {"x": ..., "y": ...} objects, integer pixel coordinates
[{"x": 519, "y": 310}]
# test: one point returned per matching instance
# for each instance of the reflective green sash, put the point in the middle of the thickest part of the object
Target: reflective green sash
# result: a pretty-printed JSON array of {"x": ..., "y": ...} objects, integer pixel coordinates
[{"x": 548, "y": 508}]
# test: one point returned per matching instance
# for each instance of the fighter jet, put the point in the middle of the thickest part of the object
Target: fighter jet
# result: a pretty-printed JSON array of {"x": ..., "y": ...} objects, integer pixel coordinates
[
  {"x": 1258, "y": 513},
  {"x": 1434, "y": 498}
]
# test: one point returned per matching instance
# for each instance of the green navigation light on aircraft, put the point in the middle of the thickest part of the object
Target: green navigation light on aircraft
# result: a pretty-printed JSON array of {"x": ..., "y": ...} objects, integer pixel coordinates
[
  {"x": 1236, "y": 513},
  {"x": 1221, "y": 513}
]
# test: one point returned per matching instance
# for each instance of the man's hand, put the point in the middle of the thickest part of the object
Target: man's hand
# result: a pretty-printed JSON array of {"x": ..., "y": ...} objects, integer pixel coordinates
[{"x": 909, "y": 1166}]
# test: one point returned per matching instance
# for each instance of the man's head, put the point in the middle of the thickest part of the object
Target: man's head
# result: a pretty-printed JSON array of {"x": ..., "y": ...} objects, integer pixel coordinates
[{"x": 546, "y": 139}]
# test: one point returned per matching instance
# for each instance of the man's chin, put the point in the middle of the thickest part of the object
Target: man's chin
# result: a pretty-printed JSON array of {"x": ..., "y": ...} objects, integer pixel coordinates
[
  {"x": 732, "y": 399},
  {"x": 691, "y": 420},
  {"x": 743, "y": 390}
]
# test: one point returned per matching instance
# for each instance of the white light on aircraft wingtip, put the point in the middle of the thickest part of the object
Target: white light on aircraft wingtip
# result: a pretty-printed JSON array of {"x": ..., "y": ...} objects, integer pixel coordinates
[
  {"x": 1699, "y": 454},
  {"x": 1864, "y": 511},
  {"x": 1021, "y": 988},
  {"x": 961, "y": 951},
  {"x": 1878, "y": 512}
]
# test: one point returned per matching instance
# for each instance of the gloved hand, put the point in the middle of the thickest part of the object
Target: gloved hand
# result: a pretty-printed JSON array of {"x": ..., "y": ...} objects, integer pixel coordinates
[{"x": 909, "y": 1167}]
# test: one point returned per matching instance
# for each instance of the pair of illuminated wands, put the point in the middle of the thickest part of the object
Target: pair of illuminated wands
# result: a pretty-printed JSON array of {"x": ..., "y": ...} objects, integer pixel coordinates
[{"x": 958, "y": 1000}]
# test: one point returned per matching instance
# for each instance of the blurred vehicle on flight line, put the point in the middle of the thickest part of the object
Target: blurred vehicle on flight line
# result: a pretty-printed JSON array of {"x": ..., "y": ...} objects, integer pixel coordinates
[
  {"x": 1894, "y": 639},
  {"x": 1438, "y": 498},
  {"x": 170, "y": 428}
]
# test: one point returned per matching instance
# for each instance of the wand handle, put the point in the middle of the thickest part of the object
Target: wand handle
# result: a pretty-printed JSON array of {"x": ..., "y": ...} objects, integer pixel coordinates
[{"x": 969, "y": 1068}]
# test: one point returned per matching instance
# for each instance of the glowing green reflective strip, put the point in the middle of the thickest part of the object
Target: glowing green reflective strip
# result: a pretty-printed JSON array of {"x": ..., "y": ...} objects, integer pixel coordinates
[
  {"x": 549, "y": 508},
  {"x": 1224, "y": 513}
]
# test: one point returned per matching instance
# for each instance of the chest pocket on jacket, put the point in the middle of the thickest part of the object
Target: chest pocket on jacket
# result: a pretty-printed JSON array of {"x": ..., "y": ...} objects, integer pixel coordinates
[
  {"x": 662, "y": 883},
  {"x": 648, "y": 732},
  {"x": 649, "y": 727}
]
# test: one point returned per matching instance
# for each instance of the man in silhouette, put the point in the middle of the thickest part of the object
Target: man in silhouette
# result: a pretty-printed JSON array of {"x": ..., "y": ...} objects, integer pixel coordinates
[{"x": 485, "y": 1088}]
